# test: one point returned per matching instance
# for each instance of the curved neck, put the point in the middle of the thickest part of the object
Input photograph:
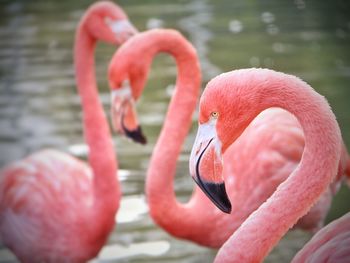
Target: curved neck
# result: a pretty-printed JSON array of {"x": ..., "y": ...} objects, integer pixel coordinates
[
  {"x": 160, "y": 177},
  {"x": 96, "y": 130},
  {"x": 294, "y": 197}
]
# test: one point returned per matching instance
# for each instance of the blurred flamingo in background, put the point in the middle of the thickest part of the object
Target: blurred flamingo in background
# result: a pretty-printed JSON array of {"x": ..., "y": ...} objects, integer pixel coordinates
[
  {"x": 228, "y": 105},
  {"x": 331, "y": 244},
  {"x": 54, "y": 207},
  {"x": 254, "y": 168}
]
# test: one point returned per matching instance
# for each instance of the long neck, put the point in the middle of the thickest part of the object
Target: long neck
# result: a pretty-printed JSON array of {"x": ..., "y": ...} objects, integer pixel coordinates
[
  {"x": 96, "y": 131},
  {"x": 160, "y": 177},
  {"x": 294, "y": 197}
]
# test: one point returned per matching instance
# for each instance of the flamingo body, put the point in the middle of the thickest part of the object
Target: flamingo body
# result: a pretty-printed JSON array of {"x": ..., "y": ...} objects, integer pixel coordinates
[
  {"x": 39, "y": 195},
  {"x": 266, "y": 153},
  {"x": 331, "y": 244}
]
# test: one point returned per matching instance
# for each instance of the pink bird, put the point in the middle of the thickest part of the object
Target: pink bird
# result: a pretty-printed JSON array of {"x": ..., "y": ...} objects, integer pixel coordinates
[
  {"x": 255, "y": 176},
  {"x": 331, "y": 244},
  {"x": 131, "y": 63},
  {"x": 228, "y": 105},
  {"x": 54, "y": 207}
]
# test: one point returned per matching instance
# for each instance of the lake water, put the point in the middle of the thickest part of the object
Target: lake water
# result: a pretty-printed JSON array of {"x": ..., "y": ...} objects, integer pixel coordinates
[{"x": 40, "y": 107}]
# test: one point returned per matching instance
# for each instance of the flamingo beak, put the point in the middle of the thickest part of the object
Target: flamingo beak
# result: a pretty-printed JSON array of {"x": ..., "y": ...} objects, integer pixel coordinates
[
  {"x": 122, "y": 29},
  {"x": 124, "y": 117},
  {"x": 206, "y": 166}
]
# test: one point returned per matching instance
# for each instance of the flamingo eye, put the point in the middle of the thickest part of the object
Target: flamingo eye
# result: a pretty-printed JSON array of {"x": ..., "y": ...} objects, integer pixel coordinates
[{"x": 214, "y": 115}]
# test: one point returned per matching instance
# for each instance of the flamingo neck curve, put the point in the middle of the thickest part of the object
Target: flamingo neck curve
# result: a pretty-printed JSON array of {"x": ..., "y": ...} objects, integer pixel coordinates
[
  {"x": 164, "y": 207},
  {"x": 293, "y": 198},
  {"x": 96, "y": 130}
]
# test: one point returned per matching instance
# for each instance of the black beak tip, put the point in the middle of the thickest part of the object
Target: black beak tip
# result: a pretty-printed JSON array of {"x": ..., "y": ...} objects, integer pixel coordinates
[
  {"x": 217, "y": 194},
  {"x": 136, "y": 135}
]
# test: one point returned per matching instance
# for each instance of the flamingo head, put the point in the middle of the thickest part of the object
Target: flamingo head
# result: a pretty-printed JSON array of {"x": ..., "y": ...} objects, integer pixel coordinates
[
  {"x": 224, "y": 113},
  {"x": 128, "y": 72},
  {"x": 123, "y": 112},
  {"x": 206, "y": 164},
  {"x": 108, "y": 22}
]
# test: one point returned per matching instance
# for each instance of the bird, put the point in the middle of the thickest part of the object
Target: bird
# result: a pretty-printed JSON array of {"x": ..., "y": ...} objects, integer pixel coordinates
[
  {"x": 53, "y": 206},
  {"x": 330, "y": 244},
  {"x": 252, "y": 185},
  {"x": 229, "y": 103}
]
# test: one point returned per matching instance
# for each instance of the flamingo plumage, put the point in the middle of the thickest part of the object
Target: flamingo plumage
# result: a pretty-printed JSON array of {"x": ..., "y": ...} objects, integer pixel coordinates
[
  {"x": 54, "y": 207},
  {"x": 230, "y": 102},
  {"x": 331, "y": 244}
]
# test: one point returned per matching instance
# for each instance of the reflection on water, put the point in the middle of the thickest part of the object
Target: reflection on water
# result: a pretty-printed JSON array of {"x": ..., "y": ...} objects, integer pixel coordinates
[
  {"x": 39, "y": 106},
  {"x": 117, "y": 252},
  {"x": 196, "y": 26},
  {"x": 131, "y": 209}
]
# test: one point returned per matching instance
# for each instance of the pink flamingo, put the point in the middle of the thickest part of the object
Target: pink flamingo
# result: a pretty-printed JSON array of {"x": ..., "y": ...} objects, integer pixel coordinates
[
  {"x": 250, "y": 188},
  {"x": 54, "y": 207},
  {"x": 228, "y": 105},
  {"x": 331, "y": 244}
]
